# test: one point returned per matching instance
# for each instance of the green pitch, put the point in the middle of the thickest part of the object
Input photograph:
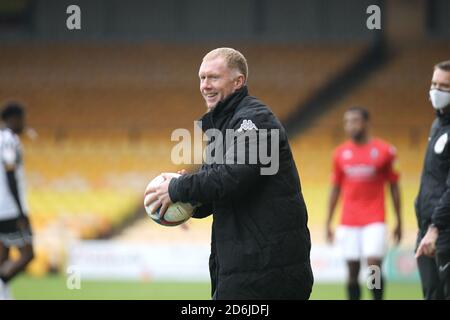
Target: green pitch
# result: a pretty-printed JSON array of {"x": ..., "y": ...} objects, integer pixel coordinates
[{"x": 54, "y": 287}]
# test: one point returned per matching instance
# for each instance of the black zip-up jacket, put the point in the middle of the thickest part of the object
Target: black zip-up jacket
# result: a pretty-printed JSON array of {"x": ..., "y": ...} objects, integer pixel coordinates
[
  {"x": 260, "y": 247},
  {"x": 433, "y": 202}
]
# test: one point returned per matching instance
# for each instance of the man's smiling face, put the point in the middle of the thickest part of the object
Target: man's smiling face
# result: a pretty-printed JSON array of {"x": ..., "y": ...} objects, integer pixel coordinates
[{"x": 217, "y": 81}]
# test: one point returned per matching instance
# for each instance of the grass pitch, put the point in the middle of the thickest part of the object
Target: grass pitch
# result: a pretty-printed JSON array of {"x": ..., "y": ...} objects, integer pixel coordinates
[{"x": 54, "y": 288}]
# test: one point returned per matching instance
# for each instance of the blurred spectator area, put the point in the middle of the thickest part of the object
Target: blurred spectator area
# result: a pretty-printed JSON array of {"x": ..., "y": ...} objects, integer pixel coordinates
[
  {"x": 104, "y": 115},
  {"x": 396, "y": 95},
  {"x": 15, "y": 15},
  {"x": 104, "y": 100}
]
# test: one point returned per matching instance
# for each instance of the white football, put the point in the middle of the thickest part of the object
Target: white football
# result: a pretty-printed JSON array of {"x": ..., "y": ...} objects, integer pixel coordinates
[{"x": 176, "y": 214}]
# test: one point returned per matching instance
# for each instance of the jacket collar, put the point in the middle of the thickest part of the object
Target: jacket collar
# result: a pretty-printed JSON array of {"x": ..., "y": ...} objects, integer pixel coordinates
[
  {"x": 223, "y": 108},
  {"x": 444, "y": 117}
]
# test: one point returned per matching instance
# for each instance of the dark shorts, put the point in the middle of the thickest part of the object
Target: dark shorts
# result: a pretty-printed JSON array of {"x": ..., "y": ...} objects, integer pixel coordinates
[{"x": 11, "y": 235}]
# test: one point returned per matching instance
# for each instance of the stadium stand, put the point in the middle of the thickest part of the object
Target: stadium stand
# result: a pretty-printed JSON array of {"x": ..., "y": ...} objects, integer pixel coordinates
[
  {"x": 397, "y": 97},
  {"x": 104, "y": 114}
]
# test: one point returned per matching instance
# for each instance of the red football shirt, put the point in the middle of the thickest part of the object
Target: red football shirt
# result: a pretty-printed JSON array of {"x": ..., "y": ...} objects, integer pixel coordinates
[{"x": 361, "y": 172}]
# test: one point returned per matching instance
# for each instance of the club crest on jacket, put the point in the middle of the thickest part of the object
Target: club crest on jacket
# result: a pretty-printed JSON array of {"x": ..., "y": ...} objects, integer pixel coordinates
[
  {"x": 247, "y": 125},
  {"x": 440, "y": 143}
]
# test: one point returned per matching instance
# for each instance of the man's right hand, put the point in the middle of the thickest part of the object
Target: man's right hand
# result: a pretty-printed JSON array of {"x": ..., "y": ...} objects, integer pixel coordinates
[{"x": 182, "y": 172}]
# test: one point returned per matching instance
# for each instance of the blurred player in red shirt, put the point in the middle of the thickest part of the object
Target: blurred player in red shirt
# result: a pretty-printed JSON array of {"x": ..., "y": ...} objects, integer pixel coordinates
[{"x": 361, "y": 168}]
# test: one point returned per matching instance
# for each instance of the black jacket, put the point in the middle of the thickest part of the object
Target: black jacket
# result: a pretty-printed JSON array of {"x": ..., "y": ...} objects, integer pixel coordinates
[
  {"x": 433, "y": 201},
  {"x": 260, "y": 246}
]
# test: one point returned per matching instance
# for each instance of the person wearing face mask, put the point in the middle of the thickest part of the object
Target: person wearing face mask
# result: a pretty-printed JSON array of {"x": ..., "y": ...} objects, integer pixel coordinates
[{"x": 433, "y": 201}]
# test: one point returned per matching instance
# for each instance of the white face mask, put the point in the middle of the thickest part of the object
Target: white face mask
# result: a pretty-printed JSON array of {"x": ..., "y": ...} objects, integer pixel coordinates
[{"x": 439, "y": 99}]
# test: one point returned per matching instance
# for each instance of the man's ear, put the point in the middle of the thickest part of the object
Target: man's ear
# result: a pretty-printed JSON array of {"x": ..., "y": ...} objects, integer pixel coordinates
[{"x": 240, "y": 81}]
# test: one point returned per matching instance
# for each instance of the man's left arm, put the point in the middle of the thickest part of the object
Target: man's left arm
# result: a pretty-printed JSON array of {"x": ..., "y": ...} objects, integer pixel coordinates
[
  {"x": 440, "y": 220},
  {"x": 240, "y": 170},
  {"x": 231, "y": 179},
  {"x": 441, "y": 215}
]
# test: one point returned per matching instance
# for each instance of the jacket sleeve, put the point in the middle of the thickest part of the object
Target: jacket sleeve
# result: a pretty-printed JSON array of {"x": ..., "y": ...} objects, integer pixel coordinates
[
  {"x": 231, "y": 178},
  {"x": 441, "y": 214},
  {"x": 203, "y": 211}
]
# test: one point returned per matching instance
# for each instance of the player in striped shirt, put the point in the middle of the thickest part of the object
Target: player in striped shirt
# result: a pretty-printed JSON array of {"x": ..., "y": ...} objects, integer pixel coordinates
[{"x": 15, "y": 230}]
